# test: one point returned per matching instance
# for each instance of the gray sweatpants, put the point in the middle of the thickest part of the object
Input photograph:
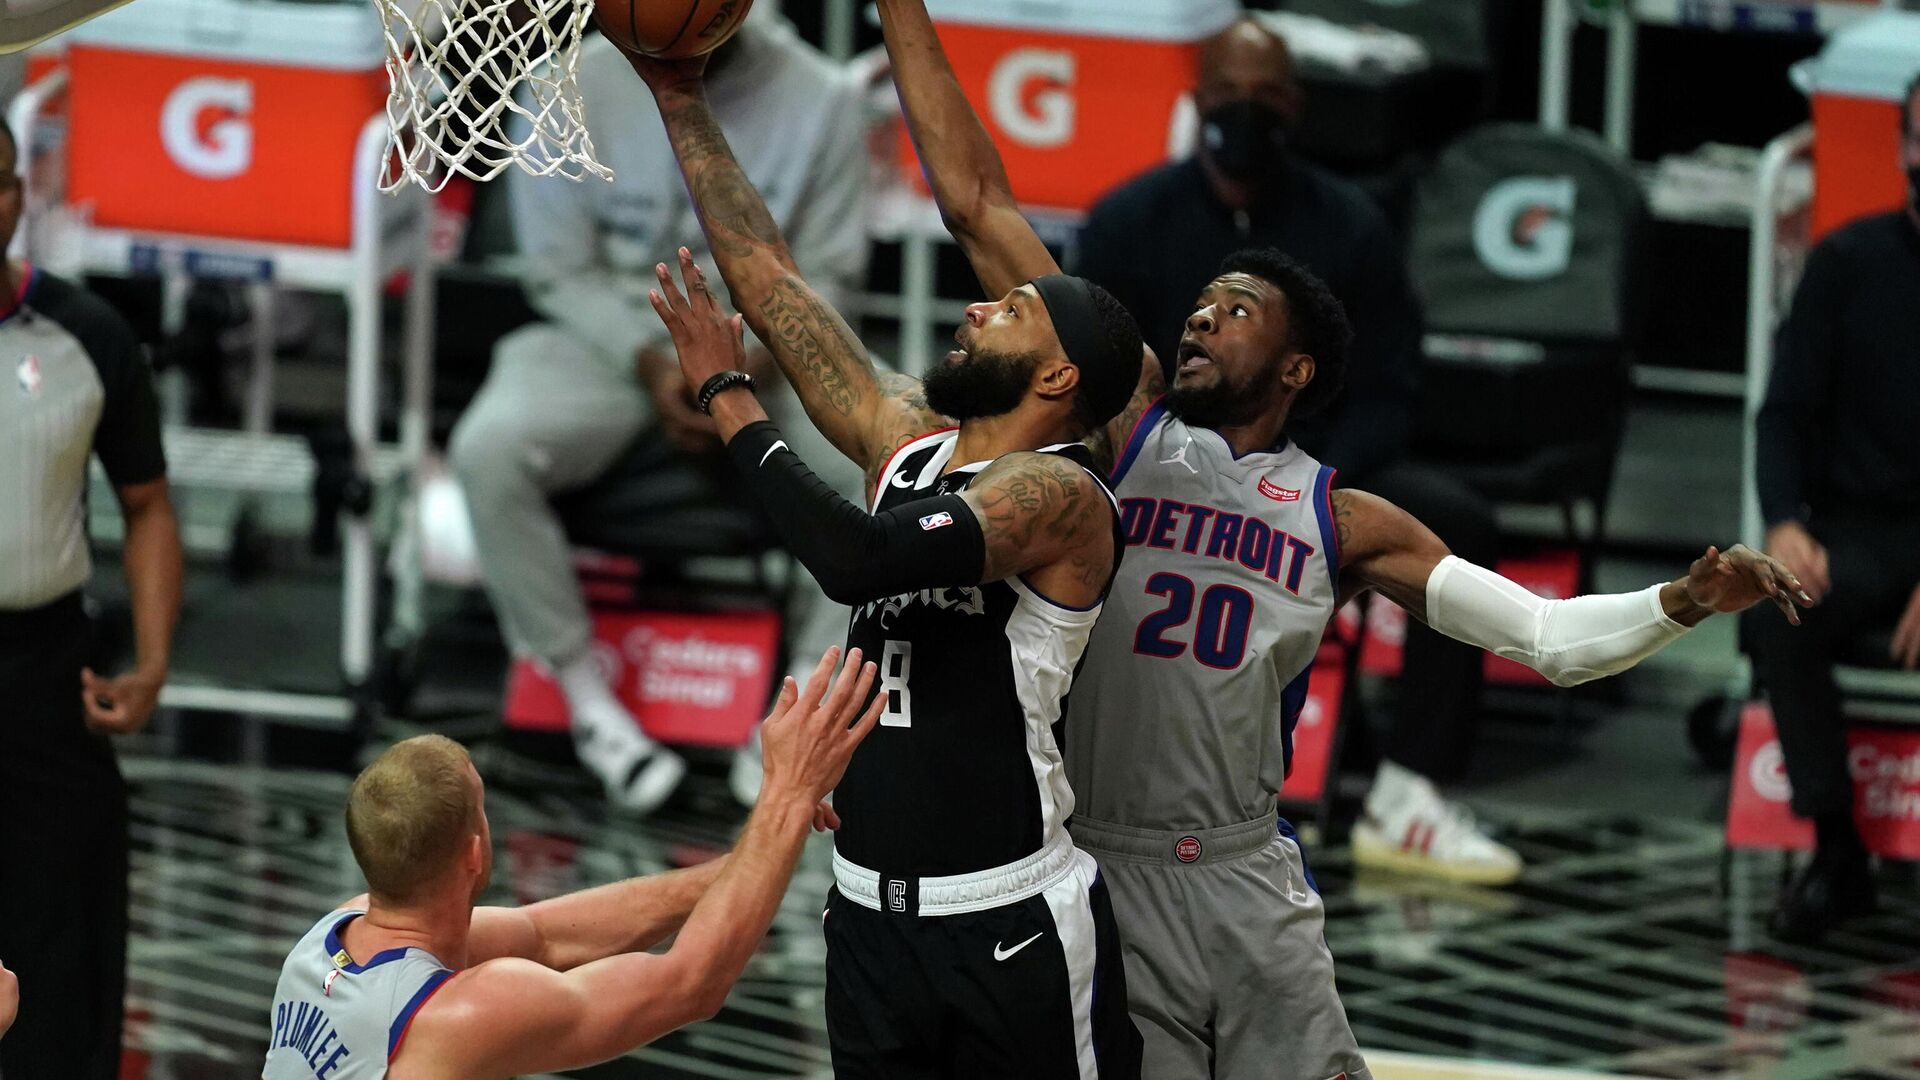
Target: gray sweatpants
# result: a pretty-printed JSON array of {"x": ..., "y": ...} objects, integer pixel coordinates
[
  {"x": 553, "y": 415},
  {"x": 1228, "y": 972}
]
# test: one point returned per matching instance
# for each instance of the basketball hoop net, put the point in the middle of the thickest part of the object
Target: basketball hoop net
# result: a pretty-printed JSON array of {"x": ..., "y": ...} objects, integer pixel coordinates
[{"x": 479, "y": 85}]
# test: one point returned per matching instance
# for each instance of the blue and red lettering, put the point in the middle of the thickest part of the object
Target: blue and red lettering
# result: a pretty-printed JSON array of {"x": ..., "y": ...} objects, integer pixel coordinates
[{"x": 1168, "y": 524}]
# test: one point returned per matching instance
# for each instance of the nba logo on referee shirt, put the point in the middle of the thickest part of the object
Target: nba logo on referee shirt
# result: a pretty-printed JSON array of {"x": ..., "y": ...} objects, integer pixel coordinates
[
  {"x": 1188, "y": 849},
  {"x": 29, "y": 375}
]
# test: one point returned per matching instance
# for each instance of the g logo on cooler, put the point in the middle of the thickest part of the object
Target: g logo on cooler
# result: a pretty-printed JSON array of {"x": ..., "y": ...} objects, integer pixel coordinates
[
  {"x": 1046, "y": 122},
  {"x": 225, "y": 149},
  {"x": 1767, "y": 772},
  {"x": 1522, "y": 228}
]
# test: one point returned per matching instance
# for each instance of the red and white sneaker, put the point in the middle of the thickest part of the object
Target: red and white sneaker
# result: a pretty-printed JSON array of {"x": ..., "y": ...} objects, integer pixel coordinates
[{"x": 1408, "y": 828}]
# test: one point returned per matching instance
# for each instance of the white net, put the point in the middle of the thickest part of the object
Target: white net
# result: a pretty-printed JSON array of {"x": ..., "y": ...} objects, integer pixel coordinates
[{"x": 480, "y": 85}]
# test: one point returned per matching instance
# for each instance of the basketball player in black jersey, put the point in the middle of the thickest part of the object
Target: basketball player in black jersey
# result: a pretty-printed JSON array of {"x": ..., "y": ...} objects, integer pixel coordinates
[{"x": 966, "y": 935}]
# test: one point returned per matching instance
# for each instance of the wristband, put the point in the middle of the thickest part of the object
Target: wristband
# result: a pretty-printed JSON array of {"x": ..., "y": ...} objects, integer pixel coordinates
[{"x": 720, "y": 383}]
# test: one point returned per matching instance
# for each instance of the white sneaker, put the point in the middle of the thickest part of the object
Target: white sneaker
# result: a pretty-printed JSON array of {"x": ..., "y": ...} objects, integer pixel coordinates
[
  {"x": 1407, "y": 827},
  {"x": 637, "y": 773},
  {"x": 748, "y": 773}
]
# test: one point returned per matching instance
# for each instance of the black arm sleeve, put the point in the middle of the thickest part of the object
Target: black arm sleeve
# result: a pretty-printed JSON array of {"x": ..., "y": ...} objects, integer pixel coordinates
[
  {"x": 1792, "y": 428},
  {"x": 856, "y": 556}
]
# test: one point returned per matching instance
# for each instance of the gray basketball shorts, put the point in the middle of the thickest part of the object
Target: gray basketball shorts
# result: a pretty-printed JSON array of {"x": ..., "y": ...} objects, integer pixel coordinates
[{"x": 1228, "y": 972}]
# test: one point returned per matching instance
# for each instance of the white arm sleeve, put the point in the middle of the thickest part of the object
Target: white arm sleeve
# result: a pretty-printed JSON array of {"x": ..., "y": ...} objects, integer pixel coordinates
[{"x": 1568, "y": 641}]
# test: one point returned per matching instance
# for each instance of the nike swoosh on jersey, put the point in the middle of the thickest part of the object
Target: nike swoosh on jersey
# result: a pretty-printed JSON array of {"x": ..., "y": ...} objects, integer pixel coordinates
[{"x": 1002, "y": 954}]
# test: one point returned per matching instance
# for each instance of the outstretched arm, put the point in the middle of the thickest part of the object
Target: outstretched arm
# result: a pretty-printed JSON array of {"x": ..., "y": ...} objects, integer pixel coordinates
[
  {"x": 968, "y": 178},
  {"x": 592, "y": 924},
  {"x": 859, "y": 412},
  {"x": 1382, "y": 547}
]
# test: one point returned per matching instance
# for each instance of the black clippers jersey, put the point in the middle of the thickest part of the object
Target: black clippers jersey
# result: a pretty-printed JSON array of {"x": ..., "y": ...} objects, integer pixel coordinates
[{"x": 962, "y": 773}]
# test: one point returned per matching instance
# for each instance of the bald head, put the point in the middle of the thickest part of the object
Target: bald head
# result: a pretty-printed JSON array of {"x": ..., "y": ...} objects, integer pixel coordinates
[
  {"x": 413, "y": 817},
  {"x": 1247, "y": 61}
]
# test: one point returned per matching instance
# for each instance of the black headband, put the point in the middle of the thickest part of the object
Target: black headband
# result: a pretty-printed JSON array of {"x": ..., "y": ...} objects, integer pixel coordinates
[{"x": 1108, "y": 377}]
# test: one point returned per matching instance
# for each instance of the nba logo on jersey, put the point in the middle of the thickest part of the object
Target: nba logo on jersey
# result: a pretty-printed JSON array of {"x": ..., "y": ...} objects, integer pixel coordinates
[
  {"x": 936, "y": 521},
  {"x": 29, "y": 375}
]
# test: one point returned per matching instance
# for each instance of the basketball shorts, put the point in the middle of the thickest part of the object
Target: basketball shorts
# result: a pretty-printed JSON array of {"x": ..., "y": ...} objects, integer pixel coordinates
[
  {"x": 1228, "y": 972},
  {"x": 944, "y": 978}
]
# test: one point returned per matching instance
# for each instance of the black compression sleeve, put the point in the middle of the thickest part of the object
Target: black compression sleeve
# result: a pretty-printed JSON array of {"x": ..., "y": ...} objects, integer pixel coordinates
[{"x": 856, "y": 556}]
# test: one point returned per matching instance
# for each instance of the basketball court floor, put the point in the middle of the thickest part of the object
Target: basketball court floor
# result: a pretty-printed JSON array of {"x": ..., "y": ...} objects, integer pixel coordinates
[{"x": 1632, "y": 947}]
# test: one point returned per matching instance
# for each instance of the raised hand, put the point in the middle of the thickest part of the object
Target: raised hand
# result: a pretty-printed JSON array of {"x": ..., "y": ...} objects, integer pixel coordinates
[
  {"x": 811, "y": 733},
  {"x": 1740, "y": 577},
  {"x": 658, "y": 72},
  {"x": 708, "y": 340}
]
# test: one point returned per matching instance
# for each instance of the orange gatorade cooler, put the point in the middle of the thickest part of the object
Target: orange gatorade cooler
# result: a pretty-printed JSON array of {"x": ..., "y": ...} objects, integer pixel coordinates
[
  {"x": 1078, "y": 94},
  {"x": 226, "y": 118},
  {"x": 1856, "y": 83}
]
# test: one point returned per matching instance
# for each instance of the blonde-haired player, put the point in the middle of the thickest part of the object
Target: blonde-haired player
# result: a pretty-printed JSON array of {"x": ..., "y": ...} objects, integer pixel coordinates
[{"x": 412, "y": 981}]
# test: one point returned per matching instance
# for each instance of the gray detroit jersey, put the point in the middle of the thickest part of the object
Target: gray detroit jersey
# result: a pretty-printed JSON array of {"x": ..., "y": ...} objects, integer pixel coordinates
[
  {"x": 1183, "y": 714},
  {"x": 335, "y": 1019}
]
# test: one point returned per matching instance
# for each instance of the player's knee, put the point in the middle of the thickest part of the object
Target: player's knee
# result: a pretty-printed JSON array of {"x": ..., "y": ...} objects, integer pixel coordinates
[{"x": 486, "y": 449}]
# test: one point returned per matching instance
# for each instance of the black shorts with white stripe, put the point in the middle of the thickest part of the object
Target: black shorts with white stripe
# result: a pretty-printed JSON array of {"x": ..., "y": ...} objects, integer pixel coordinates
[{"x": 1034, "y": 989}]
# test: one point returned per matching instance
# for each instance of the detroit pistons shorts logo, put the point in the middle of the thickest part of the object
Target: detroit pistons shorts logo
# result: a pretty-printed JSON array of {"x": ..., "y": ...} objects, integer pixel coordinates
[{"x": 1188, "y": 849}]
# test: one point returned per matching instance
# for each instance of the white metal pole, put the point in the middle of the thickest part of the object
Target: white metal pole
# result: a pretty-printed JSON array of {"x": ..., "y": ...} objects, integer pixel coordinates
[
  {"x": 1623, "y": 46},
  {"x": 357, "y": 568},
  {"x": 259, "y": 414},
  {"x": 1556, "y": 63},
  {"x": 917, "y": 285}
]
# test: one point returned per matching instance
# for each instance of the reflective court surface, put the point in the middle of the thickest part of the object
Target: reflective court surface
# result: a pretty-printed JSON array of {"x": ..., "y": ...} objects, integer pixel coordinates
[{"x": 1631, "y": 947}]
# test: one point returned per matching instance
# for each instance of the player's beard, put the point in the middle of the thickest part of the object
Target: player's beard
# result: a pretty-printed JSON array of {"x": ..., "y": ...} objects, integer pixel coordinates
[
  {"x": 1224, "y": 402},
  {"x": 986, "y": 383}
]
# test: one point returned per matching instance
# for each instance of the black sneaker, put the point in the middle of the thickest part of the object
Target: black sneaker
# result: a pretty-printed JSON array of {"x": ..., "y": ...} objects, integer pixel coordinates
[{"x": 1827, "y": 891}]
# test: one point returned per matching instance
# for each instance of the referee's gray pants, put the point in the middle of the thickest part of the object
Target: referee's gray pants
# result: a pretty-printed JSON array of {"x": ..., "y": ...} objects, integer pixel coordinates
[
  {"x": 553, "y": 415},
  {"x": 1228, "y": 972}
]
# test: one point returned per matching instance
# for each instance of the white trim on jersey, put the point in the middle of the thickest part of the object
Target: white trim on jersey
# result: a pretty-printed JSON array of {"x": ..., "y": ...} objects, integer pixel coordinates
[
  {"x": 1046, "y": 641},
  {"x": 1079, "y": 936}
]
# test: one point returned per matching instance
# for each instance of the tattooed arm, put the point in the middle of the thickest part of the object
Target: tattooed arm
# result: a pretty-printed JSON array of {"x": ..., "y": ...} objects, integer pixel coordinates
[
  {"x": 862, "y": 414},
  {"x": 1046, "y": 519}
]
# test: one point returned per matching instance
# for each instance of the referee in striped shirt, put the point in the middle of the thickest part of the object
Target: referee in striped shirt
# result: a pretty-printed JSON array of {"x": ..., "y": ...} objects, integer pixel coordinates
[{"x": 73, "y": 384}]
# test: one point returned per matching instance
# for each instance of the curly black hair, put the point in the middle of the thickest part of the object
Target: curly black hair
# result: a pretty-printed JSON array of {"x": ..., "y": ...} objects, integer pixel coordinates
[{"x": 1316, "y": 320}]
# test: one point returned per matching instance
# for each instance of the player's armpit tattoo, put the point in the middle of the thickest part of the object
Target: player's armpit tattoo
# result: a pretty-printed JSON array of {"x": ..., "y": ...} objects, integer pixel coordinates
[
  {"x": 1031, "y": 504},
  {"x": 1107, "y": 442}
]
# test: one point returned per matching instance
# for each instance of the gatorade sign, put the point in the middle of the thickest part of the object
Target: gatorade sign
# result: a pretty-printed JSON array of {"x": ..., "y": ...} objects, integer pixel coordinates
[
  {"x": 1524, "y": 227},
  {"x": 229, "y": 147},
  {"x": 206, "y": 128},
  {"x": 1079, "y": 95},
  {"x": 1031, "y": 96}
]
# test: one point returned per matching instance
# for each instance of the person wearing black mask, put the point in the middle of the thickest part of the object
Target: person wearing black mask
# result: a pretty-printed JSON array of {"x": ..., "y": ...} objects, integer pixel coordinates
[
  {"x": 1159, "y": 239},
  {"x": 1839, "y": 479}
]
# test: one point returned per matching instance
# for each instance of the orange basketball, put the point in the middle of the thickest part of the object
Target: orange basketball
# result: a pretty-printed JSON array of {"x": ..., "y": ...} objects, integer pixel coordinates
[{"x": 670, "y": 29}]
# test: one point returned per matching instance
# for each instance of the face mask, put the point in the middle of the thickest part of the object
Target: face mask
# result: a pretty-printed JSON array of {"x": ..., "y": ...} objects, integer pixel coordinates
[{"x": 1246, "y": 139}]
